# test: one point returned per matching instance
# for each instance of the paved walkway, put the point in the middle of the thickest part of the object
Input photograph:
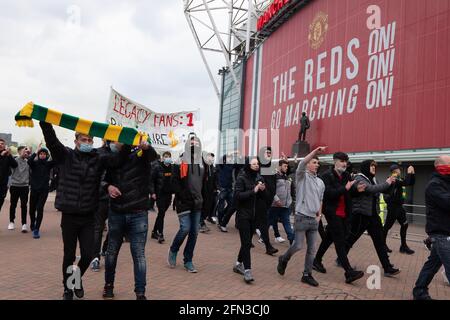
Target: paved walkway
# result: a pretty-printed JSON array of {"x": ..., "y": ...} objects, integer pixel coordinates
[{"x": 30, "y": 269}]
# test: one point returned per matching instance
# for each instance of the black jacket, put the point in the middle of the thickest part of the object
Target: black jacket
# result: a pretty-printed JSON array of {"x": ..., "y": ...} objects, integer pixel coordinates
[
  {"x": 6, "y": 164},
  {"x": 367, "y": 203},
  {"x": 394, "y": 195},
  {"x": 247, "y": 202},
  {"x": 188, "y": 180},
  {"x": 165, "y": 174},
  {"x": 40, "y": 173},
  {"x": 133, "y": 181},
  {"x": 156, "y": 179},
  {"x": 79, "y": 174},
  {"x": 211, "y": 179},
  {"x": 437, "y": 201},
  {"x": 334, "y": 189}
]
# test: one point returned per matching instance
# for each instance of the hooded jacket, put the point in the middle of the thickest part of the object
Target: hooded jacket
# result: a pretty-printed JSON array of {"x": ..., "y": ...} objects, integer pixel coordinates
[
  {"x": 246, "y": 199},
  {"x": 367, "y": 203},
  {"x": 20, "y": 176},
  {"x": 188, "y": 179},
  {"x": 40, "y": 171},
  {"x": 269, "y": 179}
]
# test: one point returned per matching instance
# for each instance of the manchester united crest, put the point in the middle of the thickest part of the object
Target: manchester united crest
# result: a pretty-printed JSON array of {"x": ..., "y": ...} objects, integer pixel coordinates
[{"x": 317, "y": 30}]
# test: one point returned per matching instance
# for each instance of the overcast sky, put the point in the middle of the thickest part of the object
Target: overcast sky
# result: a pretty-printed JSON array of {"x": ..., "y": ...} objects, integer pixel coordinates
[{"x": 66, "y": 57}]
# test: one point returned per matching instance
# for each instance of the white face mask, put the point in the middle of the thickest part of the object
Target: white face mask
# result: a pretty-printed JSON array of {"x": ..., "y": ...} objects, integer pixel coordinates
[{"x": 341, "y": 170}]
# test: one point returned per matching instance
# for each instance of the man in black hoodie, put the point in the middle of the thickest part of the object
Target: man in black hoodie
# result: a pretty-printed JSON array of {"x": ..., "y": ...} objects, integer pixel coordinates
[
  {"x": 395, "y": 211},
  {"x": 437, "y": 201},
  {"x": 128, "y": 189},
  {"x": 164, "y": 194},
  {"x": 188, "y": 180},
  {"x": 40, "y": 166},
  {"x": 268, "y": 174},
  {"x": 7, "y": 163},
  {"x": 210, "y": 188},
  {"x": 365, "y": 213}
]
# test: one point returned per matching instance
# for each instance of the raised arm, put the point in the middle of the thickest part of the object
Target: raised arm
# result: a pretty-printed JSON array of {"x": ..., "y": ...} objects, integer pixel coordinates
[
  {"x": 57, "y": 149},
  {"x": 301, "y": 169}
]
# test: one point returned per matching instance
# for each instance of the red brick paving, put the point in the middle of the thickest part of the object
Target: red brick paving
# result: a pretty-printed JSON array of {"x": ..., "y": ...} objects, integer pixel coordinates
[{"x": 31, "y": 269}]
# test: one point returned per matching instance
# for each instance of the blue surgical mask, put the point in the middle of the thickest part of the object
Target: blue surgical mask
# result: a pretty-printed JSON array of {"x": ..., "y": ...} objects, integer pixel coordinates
[
  {"x": 168, "y": 160},
  {"x": 113, "y": 148},
  {"x": 86, "y": 147}
]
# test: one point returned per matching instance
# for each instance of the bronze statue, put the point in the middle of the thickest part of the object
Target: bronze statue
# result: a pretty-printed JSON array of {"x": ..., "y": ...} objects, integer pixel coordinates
[{"x": 304, "y": 125}]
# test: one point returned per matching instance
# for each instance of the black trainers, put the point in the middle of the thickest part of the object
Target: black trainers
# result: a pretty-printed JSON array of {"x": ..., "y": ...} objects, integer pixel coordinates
[
  {"x": 406, "y": 250},
  {"x": 388, "y": 250},
  {"x": 271, "y": 251},
  {"x": 308, "y": 279},
  {"x": 154, "y": 235},
  {"x": 353, "y": 275},
  {"x": 140, "y": 296},
  {"x": 161, "y": 238},
  {"x": 318, "y": 266},
  {"x": 391, "y": 271},
  {"x": 79, "y": 292},
  {"x": 68, "y": 294},
  {"x": 282, "y": 265},
  {"x": 108, "y": 291}
]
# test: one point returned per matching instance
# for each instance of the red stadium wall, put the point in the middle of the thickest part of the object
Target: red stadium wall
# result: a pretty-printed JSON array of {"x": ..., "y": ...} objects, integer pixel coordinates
[{"x": 364, "y": 89}]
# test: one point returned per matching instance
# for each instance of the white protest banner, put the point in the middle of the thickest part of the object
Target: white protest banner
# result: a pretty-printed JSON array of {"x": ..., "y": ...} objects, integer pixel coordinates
[{"x": 167, "y": 131}]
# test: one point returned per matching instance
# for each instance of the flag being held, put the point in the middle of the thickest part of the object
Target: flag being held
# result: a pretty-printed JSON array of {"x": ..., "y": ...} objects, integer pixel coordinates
[{"x": 126, "y": 135}]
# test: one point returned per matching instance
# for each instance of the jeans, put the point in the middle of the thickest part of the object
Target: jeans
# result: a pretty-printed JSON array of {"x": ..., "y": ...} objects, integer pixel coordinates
[
  {"x": 225, "y": 195},
  {"x": 396, "y": 212},
  {"x": 372, "y": 224},
  {"x": 305, "y": 227},
  {"x": 16, "y": 193},
  {"x": 439, "y": 255},
  {"x": 189, "y": 226},
  {"x": 100, "y": 219},
  {"x": 135, "y": 226},
  {"x": 163, "y": 203},
  {"x": 76, "y": 227},
  {"x": 336, "y": 232},
  {"x": 276, "y": 213}
]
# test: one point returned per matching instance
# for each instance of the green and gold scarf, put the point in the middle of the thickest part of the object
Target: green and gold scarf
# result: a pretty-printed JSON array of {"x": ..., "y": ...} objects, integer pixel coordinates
[{"x": 126, "y": 135}]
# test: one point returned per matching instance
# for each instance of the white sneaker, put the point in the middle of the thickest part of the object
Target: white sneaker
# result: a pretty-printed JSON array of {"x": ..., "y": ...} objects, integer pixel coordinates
[
  {"x": 258, "y": 233},
  {"x": 11, "y": 226},
  {"x": 280, "y": 239},
  {"x": 24, "y": 228}
]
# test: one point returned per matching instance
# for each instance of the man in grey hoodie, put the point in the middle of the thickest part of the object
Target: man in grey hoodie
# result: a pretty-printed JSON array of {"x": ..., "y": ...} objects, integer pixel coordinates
[
  {"x": 308, "y": 211},
  {"x": 20, "y": 181},
  {"x": 188, "y": 180}
]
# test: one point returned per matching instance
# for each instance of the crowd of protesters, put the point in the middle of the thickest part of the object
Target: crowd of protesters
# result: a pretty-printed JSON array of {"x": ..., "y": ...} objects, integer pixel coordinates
[{"x": 114, "y": 187}]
